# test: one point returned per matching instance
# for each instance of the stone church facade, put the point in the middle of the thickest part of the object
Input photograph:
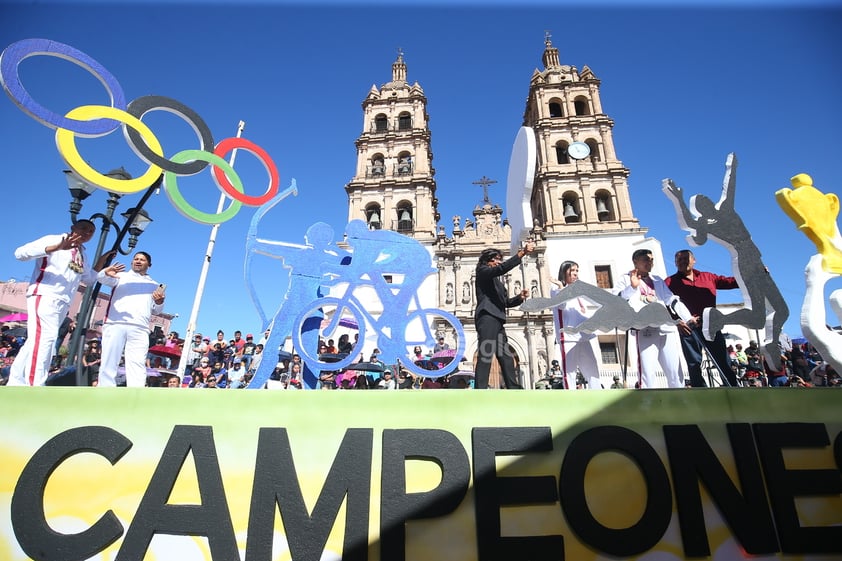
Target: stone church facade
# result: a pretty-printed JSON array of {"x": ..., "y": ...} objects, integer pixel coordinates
[{"x": 581, "y": 207}]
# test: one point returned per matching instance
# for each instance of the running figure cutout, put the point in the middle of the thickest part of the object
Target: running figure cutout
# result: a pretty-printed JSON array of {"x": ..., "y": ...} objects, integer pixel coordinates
[{"x": 765, "y": 307}]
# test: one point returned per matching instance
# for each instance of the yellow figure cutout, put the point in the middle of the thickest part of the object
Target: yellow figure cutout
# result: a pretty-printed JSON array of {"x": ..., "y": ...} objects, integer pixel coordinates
[{"x": 815, "y": 214}]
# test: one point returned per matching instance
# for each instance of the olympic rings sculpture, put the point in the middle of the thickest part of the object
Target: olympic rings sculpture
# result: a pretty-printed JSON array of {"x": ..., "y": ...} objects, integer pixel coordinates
[{"x": 93, "y": 121}]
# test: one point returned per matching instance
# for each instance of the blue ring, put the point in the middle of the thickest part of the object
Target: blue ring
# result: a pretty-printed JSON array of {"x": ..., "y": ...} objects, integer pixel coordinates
[{"x": 15, "y": 53}]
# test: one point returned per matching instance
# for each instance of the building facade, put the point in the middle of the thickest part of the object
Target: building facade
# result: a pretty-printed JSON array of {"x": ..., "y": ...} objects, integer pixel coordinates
[{"x": 581, "y": 206}]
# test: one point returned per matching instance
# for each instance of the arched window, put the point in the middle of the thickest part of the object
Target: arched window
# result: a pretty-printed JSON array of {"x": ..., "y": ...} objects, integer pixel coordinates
[
  {"x": 404, "y": 121},
  {"x": 404, "y": 164},
  {"x": 582, "y": 106},
  {"x": 604, "y": 206},
  {"x": 556, "y": 108},
  {"x": 594, "y": 146},
  {"x": 537, "y": 205},
  {"x": 381, "y": 123},
  {"x": 405, "y": 222},
  {"x": 561, "y": 152},
  {"x": 570, "y": 206},
  {"x": 374, "y": 216},
  {"x": 378, "y": 166}
]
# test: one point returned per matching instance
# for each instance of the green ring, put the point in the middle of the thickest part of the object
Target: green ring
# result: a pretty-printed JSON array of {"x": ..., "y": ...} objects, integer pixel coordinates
[{"x": 185, "y": 208}]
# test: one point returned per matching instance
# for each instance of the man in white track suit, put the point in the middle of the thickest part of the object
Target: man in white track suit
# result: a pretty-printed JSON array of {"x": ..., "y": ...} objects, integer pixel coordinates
[
  {"x": 134, "y": 298},
  {"x": 660, "y": 344},
  {"x": 60, "y": 266}
]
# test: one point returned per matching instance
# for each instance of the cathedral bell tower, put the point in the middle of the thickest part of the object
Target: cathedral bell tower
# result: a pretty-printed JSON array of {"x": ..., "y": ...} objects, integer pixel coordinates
[
  {"x": 393, "y": 187},
  {"x": 580, "y": 185},
  {"x": 580, "y": 194}
]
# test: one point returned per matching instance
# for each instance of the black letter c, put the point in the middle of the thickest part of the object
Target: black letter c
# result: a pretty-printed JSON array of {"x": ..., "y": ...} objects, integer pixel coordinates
[{"x": 32, "y": 531}]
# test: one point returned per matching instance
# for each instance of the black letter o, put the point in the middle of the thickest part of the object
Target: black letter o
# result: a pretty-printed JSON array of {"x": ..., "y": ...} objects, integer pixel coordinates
[{"x": 623, "y": 542}]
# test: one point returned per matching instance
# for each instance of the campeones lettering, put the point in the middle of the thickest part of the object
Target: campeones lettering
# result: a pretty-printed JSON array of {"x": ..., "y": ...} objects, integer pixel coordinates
[{"x": 760, "y": 508}]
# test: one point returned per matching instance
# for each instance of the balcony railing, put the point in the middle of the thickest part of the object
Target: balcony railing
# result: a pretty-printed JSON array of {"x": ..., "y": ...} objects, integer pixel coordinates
[{"x": 395, "y": 126}]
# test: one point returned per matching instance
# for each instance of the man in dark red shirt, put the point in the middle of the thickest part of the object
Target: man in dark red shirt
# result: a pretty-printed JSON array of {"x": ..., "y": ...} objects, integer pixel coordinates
[{"x": 697, "y": 289}]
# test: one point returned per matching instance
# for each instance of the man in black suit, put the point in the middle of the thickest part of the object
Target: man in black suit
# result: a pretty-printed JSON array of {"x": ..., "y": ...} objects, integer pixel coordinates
[{"x": 490, "y": 315}]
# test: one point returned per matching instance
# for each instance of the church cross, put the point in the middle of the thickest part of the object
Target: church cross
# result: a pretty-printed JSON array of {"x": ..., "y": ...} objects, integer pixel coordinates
[{"x": 485, "y": 182}]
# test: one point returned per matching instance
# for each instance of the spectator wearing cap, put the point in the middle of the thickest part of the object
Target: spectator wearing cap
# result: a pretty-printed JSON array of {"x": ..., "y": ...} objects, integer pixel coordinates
[
  {"x": 247, "y": 353},
  {"x": 616, "y": 385},
  {"x": 440, "y": 345},
  {"x": 237, "y": 374},
  {"x": 387, "y": 381}
]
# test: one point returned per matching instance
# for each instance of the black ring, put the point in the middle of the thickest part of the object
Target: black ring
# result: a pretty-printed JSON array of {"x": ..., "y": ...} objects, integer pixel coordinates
[{"x": 142, "y": 105}]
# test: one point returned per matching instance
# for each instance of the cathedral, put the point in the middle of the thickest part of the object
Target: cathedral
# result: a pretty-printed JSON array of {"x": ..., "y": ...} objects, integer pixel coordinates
[{"x": 580, "y": 205}]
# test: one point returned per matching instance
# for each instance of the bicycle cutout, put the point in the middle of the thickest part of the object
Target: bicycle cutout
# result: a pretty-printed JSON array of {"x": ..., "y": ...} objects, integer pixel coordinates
[
  {"x": 389, "y": 264},
  {"x": 420, "y": 328}
]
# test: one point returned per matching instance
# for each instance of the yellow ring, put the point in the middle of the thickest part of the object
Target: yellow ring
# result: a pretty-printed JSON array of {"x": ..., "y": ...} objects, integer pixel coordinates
[{"x": 66, "y": 143}]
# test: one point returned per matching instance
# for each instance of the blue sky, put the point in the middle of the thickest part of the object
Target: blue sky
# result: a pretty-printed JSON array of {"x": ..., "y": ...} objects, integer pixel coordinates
[{"x": 685, "y": 86}]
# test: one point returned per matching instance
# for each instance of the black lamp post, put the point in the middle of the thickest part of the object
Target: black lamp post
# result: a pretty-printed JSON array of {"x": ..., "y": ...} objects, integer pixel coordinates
[{"x": 136, "y": 221}]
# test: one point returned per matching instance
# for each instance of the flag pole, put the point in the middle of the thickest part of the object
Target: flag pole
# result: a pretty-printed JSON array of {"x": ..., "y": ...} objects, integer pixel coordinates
[{"x": 200, "y": 288}]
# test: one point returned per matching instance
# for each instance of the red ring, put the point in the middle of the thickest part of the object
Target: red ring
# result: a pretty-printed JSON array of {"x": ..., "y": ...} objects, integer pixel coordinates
[{"x": 228, "y": 144}]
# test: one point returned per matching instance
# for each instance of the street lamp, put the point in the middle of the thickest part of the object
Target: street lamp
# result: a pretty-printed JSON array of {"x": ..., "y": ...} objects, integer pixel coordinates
[{"x": 136, "y": 221}]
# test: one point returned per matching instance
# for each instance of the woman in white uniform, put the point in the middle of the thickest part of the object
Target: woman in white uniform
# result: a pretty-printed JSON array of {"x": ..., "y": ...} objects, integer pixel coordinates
[{"x": 578, "y": 350}]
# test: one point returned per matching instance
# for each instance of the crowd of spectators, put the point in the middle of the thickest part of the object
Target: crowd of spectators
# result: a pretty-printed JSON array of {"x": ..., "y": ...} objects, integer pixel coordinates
[
  {"x": 802, "y": 367},
  {"x": 230, "y": 363}
]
